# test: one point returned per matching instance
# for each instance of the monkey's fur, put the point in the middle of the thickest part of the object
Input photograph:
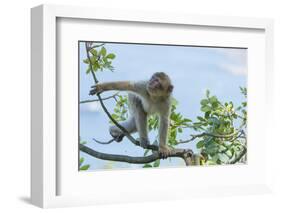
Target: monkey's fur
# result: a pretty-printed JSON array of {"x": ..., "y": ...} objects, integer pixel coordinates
[{"x": 144, "y": 98}]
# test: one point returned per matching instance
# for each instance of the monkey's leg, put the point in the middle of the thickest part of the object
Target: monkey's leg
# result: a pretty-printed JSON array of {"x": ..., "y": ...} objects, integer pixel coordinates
[
  {"x": 164, "y": 149},
  {"x": 129, "y": 125},
  {"x": 141, "y": 124}
]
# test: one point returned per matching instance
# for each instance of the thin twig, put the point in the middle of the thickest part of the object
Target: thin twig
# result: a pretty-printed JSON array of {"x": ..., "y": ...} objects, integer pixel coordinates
[
  {"x": 238, "y": 136},
  {"x": 115, "y": 99},
  {"x": 239, "y": 156},
  {"x": 193, "y": 137},
  {"x": 95, "y": 100},
  {"x": 99, "y": 45}
]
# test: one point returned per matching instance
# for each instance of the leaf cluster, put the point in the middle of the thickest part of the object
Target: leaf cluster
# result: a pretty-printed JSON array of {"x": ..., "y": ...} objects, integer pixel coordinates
[
  {"x": 222, "y": 141},
  {"x": 100, "y": 60},
  {"x": 121, "y": 108}
]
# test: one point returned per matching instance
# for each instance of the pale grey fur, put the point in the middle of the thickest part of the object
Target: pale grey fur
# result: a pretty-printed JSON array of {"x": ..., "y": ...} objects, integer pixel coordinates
[{"x": 141, "y": 104}]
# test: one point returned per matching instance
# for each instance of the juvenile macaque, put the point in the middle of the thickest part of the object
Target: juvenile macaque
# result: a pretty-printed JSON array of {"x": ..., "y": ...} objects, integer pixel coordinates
[{"x": 144, "y": 98}]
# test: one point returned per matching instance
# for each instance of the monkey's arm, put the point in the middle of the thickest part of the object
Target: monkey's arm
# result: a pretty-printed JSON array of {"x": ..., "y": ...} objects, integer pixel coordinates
[{"x": 118, "y": 85}]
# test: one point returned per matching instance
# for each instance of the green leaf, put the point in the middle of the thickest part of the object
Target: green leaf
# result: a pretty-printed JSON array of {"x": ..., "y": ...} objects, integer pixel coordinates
[
  {"x": 214, "y": 120},
  {"x": 186, "y": 120},
  {"x": 207, "y": 114},
  {"x": 200, "y": 144},
  {"x": 83, "y": 142},
  {"x": 200, "y": 118},
  {"x": 81, "y": 160},
  {"x": 207, "y": 93},
  {"x": 206, "y": 108},
  {"x": 215, "y": 158},
  {"x": 238, "y": 108},
  {"x": 94, "y": 60},
  {"x": 174, "y": 101},
  {"x": 215, "y": 104},
  {"x": 223, "y": 157},
  {"x": 94, "y": 52},
  {"x": 156, "y": 163},
  {"x": 197, "y": 124},
  {"x": 105, "y": 61},
  {"x": 243, "y": 91},
  {"x": 88, "y": 70},
  {"x": 146, "y": 152},
  {"x": 147, "y": 166},
  {"x": 103, "y": 51},
  {"x": 212, "y": 148},
  {"x": 114, "y": 116},
  {"x": 86, "y": 61},
  {"x": 85, "y": 167},
  {"x": 204, "y": 102},
  {"x": 180, "y": 130},
  {"x": 111, "y": 56},
  {"x": 213, "y": 99}
]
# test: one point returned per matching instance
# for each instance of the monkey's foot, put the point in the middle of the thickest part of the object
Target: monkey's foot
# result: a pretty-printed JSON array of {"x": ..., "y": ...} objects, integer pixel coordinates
[
  {"x": 165, "y": 151},
  {"x": 144, "y": 142},
  {"x": 117, "y": 135}
]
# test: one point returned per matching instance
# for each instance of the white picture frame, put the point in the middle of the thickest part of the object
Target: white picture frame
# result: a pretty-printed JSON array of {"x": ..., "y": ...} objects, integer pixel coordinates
[{"x": 44, "y": 149}]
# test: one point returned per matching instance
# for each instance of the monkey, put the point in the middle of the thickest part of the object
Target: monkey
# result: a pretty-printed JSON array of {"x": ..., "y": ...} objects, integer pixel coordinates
[{"x": 145, "y": 98}]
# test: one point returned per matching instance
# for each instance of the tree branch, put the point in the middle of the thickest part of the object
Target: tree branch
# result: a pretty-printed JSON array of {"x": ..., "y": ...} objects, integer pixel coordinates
[
  {"x": 99, "y": 45},
  {"x": 239, "y": 156},
  {"x": 185, "y": 154},
  {"x": 193, "y": 137},
  {"x": 94, "y": 100}
]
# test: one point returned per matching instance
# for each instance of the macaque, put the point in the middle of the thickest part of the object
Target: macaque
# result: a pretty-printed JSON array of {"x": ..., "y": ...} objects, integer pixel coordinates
[{"x": 145, "y": 98}]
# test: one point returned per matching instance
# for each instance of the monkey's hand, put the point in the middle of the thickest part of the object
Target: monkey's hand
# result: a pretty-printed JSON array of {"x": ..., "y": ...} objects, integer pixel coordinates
[
  {"x": 165, "y": 151},
  {"x": 96, "y": 89}
]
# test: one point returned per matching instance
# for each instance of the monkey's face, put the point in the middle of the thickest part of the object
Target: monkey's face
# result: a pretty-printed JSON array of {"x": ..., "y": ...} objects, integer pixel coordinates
[{"x": 159, "y": 85}]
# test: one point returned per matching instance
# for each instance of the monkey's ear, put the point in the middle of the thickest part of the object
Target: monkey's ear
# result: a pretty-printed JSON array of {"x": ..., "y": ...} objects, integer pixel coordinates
[{"x": 170, "y": 88}]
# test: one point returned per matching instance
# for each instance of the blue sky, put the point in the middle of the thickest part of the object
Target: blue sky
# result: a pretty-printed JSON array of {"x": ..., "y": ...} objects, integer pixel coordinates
[{"x": 192, "y": 70}]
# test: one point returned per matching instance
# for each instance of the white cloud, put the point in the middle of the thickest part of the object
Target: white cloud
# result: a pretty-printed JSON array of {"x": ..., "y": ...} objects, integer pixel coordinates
[
  {"x": 235, "y": 60},
  {"x": 234, "y": 69}
]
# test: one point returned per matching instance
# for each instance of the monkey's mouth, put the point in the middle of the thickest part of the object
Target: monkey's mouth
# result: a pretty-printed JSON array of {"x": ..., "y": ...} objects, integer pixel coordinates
[{"x": 152, "y": 87}]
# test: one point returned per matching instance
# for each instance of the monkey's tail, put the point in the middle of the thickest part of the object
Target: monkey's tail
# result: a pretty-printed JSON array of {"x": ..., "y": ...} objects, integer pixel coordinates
[{"x": 104, "y": 142}]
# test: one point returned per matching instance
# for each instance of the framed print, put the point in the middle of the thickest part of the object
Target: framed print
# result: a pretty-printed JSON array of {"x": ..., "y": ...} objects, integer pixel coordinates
[{"x": 127, "y": 106}]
